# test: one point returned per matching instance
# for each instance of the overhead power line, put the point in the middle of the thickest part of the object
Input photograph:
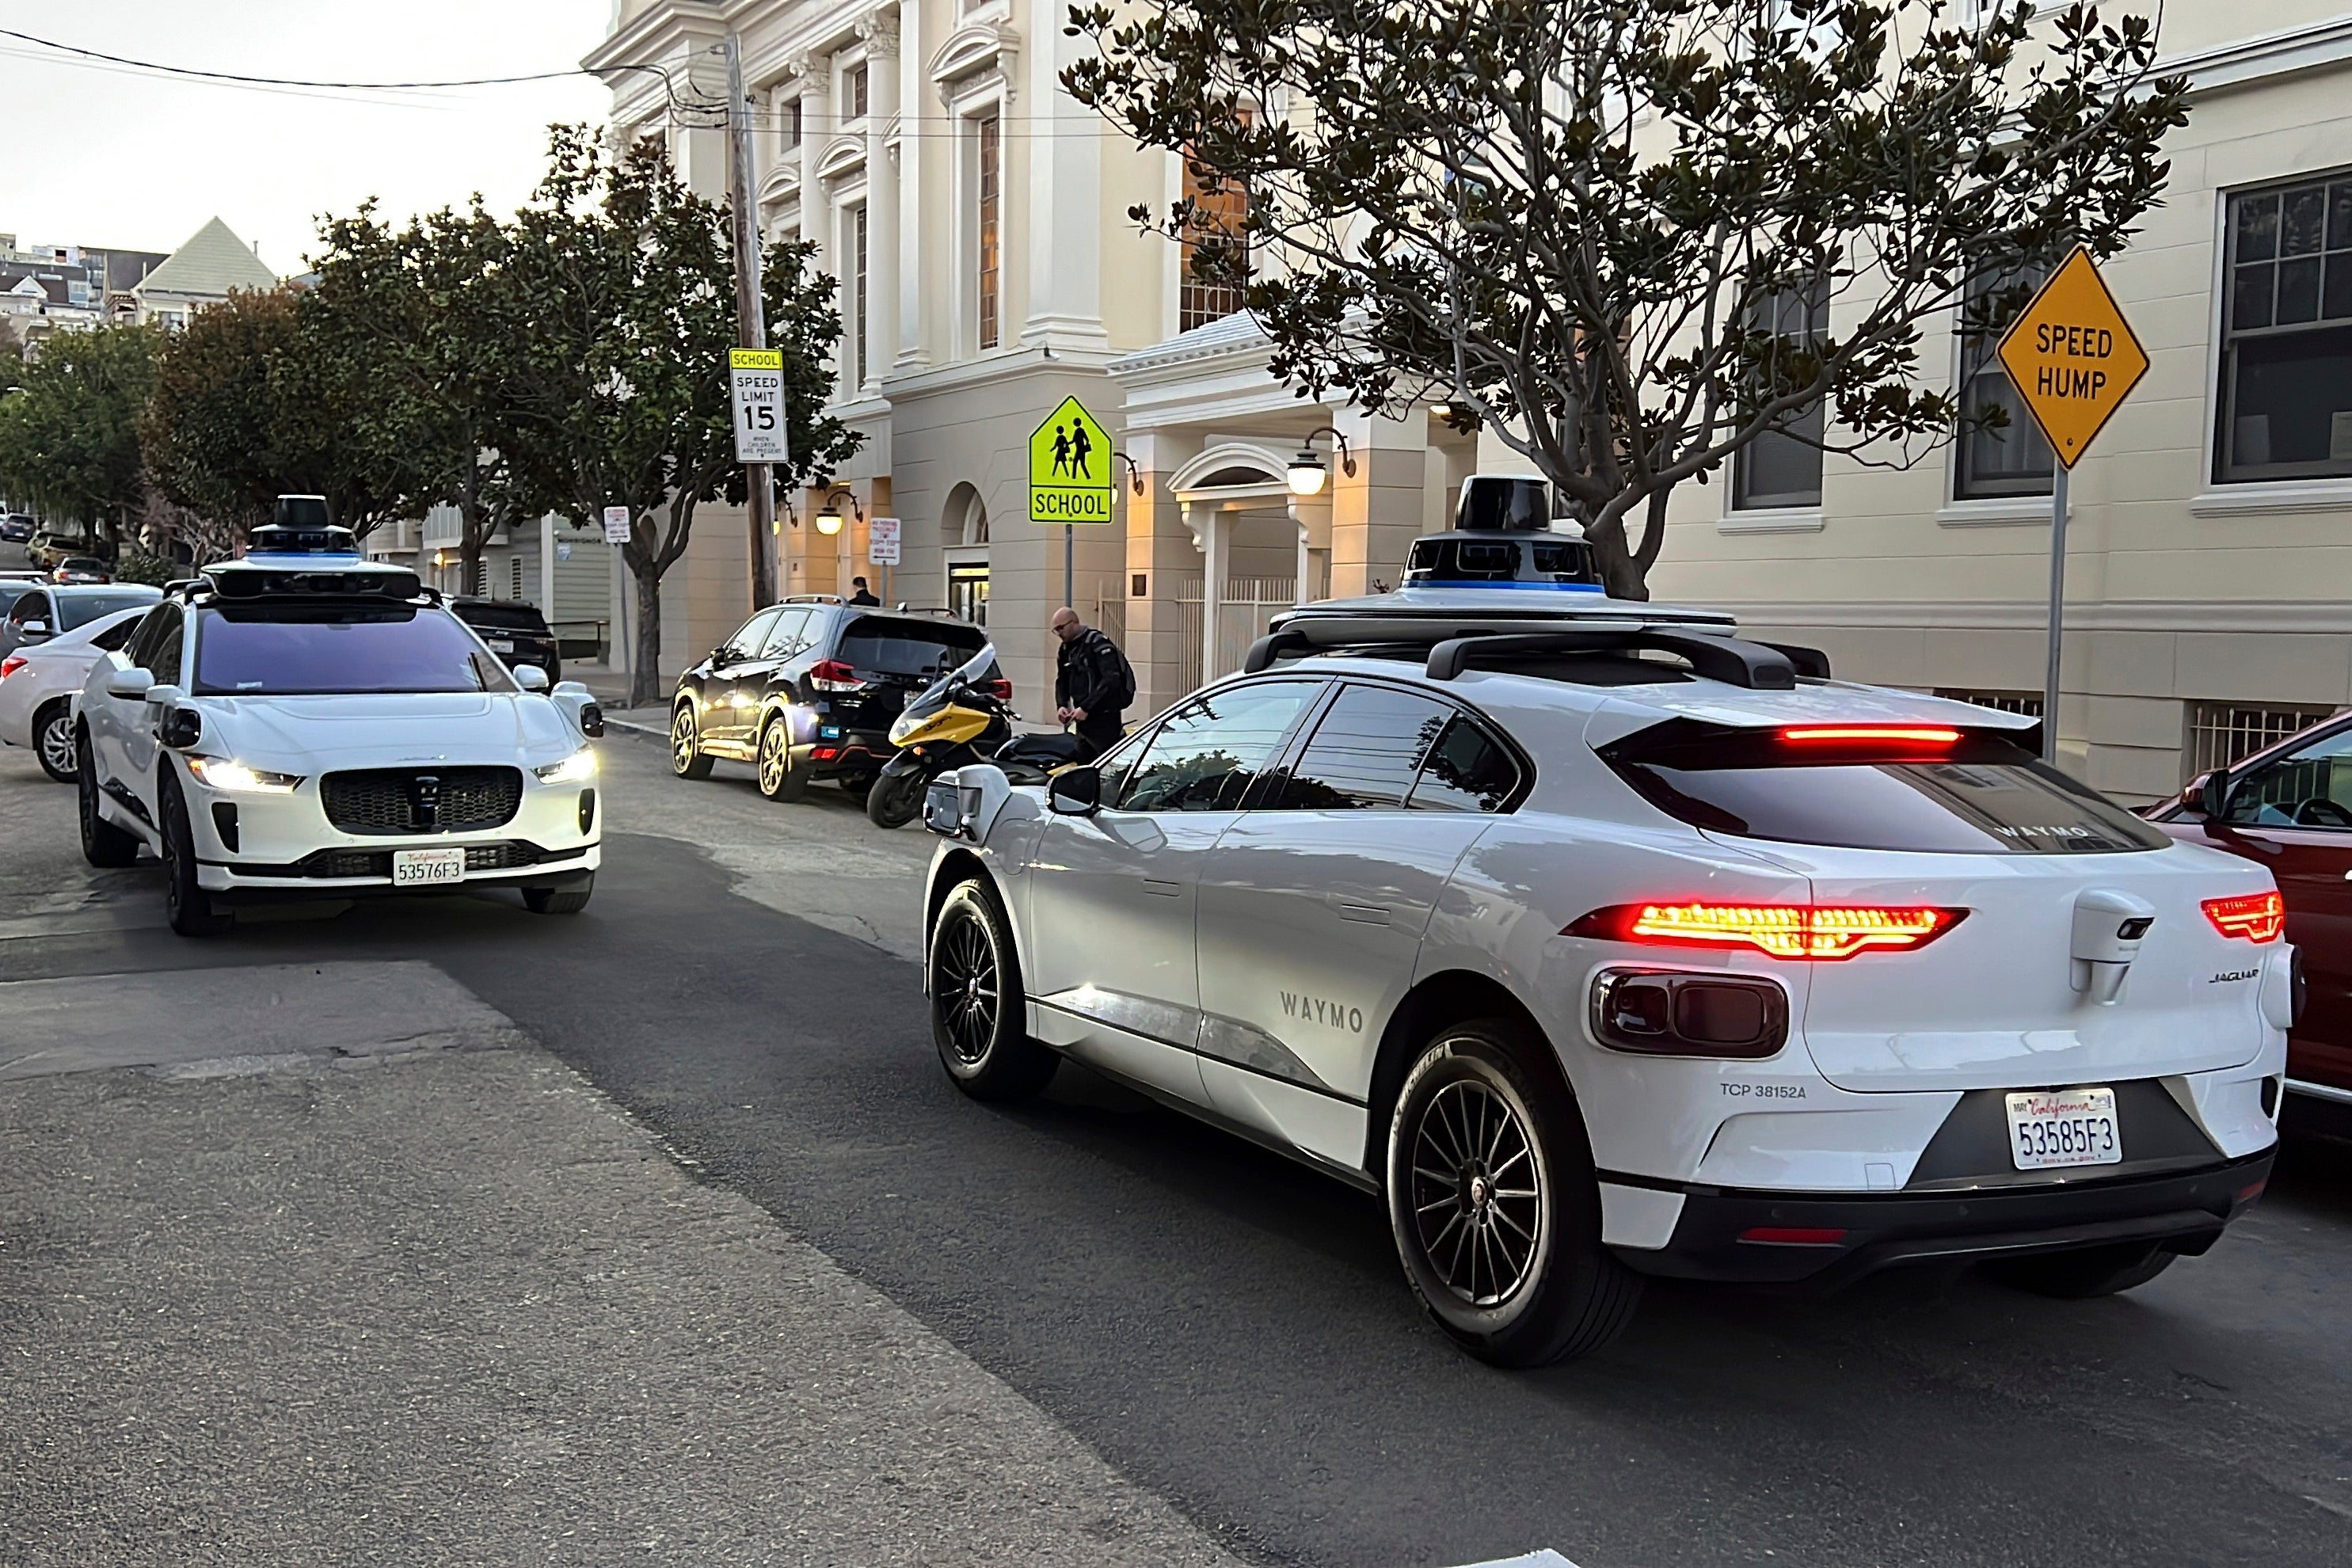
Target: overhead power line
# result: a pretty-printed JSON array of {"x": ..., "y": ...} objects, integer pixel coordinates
[{"x": 293, "y": 82}]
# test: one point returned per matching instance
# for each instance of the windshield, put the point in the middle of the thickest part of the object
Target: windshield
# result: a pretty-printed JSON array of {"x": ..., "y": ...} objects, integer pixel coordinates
[
  {"x": 80, "y": 609},
  {"x": 935, "y": 695},
  {"x": 889, "y": 647},
  {"x": 306, "y": 650}
]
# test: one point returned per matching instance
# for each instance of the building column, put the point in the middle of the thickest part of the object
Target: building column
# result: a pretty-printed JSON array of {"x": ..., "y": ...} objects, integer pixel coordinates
[
  {"x": 1214, "y": 531},
  {"x": 1377, "y": 511},
  {"x": 1061, "y": 215},
  {"x": 1159, "y": 549},
  {"x": 917, "y": 155},
  {"x": 880, "y": 31},
  {"x": 547, "y": 566}
]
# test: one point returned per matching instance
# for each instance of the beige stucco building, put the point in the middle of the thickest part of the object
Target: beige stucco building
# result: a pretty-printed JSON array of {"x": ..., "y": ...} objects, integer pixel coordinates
[{"x": 976, "y": 217}]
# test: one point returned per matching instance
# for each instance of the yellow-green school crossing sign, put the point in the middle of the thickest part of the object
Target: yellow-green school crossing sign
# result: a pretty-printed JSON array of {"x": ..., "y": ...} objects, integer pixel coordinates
[{"x": 1069, "y": 467}]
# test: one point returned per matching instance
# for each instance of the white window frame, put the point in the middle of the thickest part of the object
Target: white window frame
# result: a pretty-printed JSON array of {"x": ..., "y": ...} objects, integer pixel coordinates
[{"x": 966, "y": 109}]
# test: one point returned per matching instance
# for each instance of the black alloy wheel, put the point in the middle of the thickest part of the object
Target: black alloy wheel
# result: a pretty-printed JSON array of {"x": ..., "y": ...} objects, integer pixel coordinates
[
  {"x": 779, "y": 780},
  {"x": 102, "y": 843},
  {"x": 189, "y": 907},
  {"x": 53, "y": 741},
  {"x": 1493, "y": 1203},
  {"x": 686, "y": 758},
  {"x": 897, "y": 799},
  {"x": 978, "y": 1010}
]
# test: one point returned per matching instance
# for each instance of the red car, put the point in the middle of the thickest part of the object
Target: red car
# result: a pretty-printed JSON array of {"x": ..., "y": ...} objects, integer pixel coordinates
[{"x": 2289, "y": 809}]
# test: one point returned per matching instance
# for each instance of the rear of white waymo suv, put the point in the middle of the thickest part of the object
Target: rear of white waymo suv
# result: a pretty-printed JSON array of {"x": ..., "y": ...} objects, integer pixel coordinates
[{"x": 2037, "y": 1028}]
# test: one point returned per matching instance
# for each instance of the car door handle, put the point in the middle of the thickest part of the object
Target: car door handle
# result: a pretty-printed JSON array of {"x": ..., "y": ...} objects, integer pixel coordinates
[
  {"x": 1164, "y": 889},
  {"x": 1359, "y": 913}
]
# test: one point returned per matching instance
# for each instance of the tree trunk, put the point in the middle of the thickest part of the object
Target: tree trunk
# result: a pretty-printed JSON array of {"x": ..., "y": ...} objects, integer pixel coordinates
[{"x": 645, "y": 669}]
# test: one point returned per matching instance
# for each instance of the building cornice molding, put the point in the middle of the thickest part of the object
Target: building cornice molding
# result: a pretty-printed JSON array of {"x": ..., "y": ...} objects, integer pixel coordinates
[
  {"x": 2247, "y": 62},
  {"x": 843, "y": 158},
  {"x": 655, "y": 34},
  {"x": 971, "y": 50}
]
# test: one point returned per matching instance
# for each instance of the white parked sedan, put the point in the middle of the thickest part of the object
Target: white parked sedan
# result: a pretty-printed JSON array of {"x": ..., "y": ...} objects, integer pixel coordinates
[
  {"x": 39, "y": 681},
  {"x": 305, "y": 724},
  {"x": 1617, "y": 945}
]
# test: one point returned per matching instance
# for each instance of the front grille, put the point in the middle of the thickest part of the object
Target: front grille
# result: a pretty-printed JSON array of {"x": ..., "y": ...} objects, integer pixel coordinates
[
  {"x": 422, "y": 800},
  {"x": 511, "y": 856}
]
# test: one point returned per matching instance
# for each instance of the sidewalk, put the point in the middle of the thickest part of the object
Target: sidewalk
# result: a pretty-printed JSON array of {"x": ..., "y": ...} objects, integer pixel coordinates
[{"x": 391, "y": 1288}]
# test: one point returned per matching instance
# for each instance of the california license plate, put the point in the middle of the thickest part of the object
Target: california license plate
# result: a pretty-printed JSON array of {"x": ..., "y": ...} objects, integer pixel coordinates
[
  {"x": 423, "y": 868},
  {"x": 2064, "y": 1127}
]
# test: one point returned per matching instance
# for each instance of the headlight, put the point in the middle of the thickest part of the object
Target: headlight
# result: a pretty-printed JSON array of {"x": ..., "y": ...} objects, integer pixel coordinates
[
  {"x": 222, "y": 773},
  {"x": 577, "y": 768}
]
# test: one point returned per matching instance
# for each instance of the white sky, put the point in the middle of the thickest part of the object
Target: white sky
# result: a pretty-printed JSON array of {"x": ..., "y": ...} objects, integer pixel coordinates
[{"x": 102, "y": 157}]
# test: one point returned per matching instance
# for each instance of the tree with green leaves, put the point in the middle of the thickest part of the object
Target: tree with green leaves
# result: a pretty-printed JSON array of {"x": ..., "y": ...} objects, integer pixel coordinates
[
  {"x": 1633, "y": 237},
  {"x": 69, "y": 430},
  {"x": 619, "y": 387},
  {"x": 427, "y": 319},
  {"x": 252, "y": 402}
]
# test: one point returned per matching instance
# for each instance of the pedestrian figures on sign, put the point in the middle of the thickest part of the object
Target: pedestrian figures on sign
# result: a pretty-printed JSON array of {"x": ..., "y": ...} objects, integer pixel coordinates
[{"x": 1060, "y": 449}]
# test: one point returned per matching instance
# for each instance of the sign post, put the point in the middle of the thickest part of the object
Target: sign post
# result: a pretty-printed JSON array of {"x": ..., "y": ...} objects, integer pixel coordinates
[
  {"x": 1070, "y": 479},
  {"x": 2073, "y": 359},
  {"x": 617, "y": 530},
  {"x": 882, "y": 548}
]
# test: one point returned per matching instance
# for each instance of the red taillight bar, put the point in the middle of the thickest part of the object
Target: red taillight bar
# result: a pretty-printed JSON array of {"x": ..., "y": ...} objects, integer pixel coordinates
[
  {"x": 831, "y": 675},
  {"x": 1000, "y": 688},
  {"x": 1898, "y": 735},
  {"x": 2249, "y": 917},
  {"x": 1783, "y": 931}
]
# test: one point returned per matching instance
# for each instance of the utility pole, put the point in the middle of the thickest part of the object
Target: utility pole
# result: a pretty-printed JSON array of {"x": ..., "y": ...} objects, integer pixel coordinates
[{"x": 752, "y": 330}]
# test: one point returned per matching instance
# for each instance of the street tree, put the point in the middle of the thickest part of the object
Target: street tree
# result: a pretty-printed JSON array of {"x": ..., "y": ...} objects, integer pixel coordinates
[
  {"x": 69, "y": 430},
  {"x": 250, "y": 403},
  {"x": 426, "y": 320},
  {"x": 619, "y": 386},
  {"x": 1632, "y": 237}
]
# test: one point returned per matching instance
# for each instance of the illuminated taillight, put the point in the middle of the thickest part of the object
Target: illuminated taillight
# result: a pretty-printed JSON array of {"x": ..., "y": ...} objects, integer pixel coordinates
[
  {"x": 1783, "y": 931},
  {"x": 1000, "y": 688},
  {"x": 831, "y": 675},
  {"x": 1892, "y": 734},
  {"x": 11, "y": 665},
  {"x": 2254, "y": 917}
]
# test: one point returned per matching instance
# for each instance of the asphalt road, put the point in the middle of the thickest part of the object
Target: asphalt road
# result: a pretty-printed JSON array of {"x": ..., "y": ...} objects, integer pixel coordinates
[{"x": 1231, "y": 1331}]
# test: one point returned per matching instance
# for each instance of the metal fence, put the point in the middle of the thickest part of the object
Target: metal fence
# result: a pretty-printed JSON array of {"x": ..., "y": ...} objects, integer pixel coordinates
[
  {"x": 2219, "y": 733},
  {"x": 2026, "y": 702},
  {"x": 1247, "y": 603}
]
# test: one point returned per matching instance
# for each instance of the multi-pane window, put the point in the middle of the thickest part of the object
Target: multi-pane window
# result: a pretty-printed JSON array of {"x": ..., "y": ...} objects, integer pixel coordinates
[
  {"x": 1782, "y": 465},
  {"x": 2013, "y": 459},
  {"x": 2286, "y": 340},
  {"x": 1213, "y": 247},
  {"x": 860, "y": 294},
  {"x": 856, "y": 89},
  {"x": 788, "y": 116},
  {"x": 991, "y": 246}
]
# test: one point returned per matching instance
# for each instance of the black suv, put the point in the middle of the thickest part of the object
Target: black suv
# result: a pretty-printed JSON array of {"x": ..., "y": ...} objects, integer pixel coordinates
[
  {"x": 807, "y": 688},
  {"x": 515, "y": 630}
]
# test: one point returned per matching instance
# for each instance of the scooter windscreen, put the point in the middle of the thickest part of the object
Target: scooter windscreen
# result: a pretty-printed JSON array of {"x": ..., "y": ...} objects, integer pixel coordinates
[{"x": 937, "y": 695}]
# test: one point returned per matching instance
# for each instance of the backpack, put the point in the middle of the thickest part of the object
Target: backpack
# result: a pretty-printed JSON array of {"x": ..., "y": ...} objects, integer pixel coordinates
[{"x": 1126, "y": 674}]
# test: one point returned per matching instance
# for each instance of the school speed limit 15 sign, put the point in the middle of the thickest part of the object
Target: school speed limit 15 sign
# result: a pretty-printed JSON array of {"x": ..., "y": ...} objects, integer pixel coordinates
[{"x": 759, "y": 378}]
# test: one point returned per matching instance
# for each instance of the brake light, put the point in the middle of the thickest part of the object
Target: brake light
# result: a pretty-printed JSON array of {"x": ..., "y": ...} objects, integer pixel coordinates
[
  {"x": 1892, "y": 734},
  {"x": 831, "y": 675},
  {"x": 1783, "y": 931},
  {"x": 1000, "y": 688},
  {"x": 2254, "y": 917},
  {"x": 11, "y": 665}
]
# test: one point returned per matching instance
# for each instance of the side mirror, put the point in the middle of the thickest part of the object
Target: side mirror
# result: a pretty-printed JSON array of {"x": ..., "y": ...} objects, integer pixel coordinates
[
  {"x": 2208, "y": 794},
  {"x": 531, "y": 678},
  {"x": 576, "y": 700},
  {"x": 181, "y": 728},
  {"x": 1075, "y": 791},
  {"x": 134, "y": 683},
  {"x": 33, "y": 631}
]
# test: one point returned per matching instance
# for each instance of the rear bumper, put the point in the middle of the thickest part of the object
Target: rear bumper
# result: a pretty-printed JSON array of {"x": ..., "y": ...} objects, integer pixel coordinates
[
  {"x": 1854, "y": 1233},
  {"x": 851, "y": 752}
]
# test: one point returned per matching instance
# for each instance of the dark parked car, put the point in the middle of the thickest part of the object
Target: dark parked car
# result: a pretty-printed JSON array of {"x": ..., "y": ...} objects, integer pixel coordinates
[
  {"x": 2288, "y": 808},
  {"x": 17, "y": 528},
  {"x": 807, "y": 690},
  {"x": 516, "y": 632}
]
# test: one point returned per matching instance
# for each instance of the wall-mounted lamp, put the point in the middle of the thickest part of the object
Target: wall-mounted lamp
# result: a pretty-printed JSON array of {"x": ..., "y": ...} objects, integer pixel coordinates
[
  {"x": 1134, "y": 471},
  {"x": 828, "y": 516},
  {"x": 1306, "y": 474}
]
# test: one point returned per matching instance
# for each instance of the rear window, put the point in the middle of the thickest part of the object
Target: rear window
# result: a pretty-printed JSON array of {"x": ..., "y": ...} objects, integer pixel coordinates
[
  {"x": 508, "y": 615},
  {"x": 80, "y": 609},
  {"x": 297, "y": 650},
  {"x": 1984, "y": 795},
  {"x": 889, "y": 647},
  {"x": 12, "y": 589}
]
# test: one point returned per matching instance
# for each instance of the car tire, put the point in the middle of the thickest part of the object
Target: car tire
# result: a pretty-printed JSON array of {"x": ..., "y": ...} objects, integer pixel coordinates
[
  {"x": 1493, "y": 1203},
  {"x": 189, "y": 907},
  {"x": 978, "y": 1011},
  {"x": 102, "y": 843},
  {"x": 559, "y": 901},
  {"x": 688, "y": 760},
  {"x": 2080, "y": 1276},
  {"x": 896, "y": 799},
  {"x": 53, "y": 741},
  {"x": 779, "y": 780}
]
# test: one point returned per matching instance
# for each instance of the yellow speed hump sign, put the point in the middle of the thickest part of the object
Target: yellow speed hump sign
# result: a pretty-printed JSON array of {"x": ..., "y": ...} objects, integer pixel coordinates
[
  {"x": 1069, "y": 467},
  {"x": 2072, "y": 356}
]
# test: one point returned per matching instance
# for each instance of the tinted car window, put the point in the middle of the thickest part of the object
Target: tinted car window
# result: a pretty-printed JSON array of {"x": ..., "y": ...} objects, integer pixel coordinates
[
  {"x": 751, "y": 634},
  {"x": 788, "y": 636},
  {"x": 1206, "y": 755},
  {"x": 507, "y": 614},
  {"x": 1468, "y": 770},
  {"x": 31, "y": 606},
  {"x": 12, "y": 590},
  {"x": 290, "y": 651},
  {"x": 114, "y": 638},
  {"x": 890, "y": 647},
  {"x": 2311, "y": 786},
  {"x": 74, "y": 609},
  {"x": 1366, "y": 752},
  {"x": 166, "y": 634}
]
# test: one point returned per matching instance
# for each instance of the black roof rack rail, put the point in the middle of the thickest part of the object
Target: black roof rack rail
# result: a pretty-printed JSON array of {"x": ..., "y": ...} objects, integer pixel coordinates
[
  {"x": 812, "y": 599},
  {"x": 1297, "y": 636},
  {"x": 1729, "y": 659},
  {"x": 1812, "y": 663}
]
